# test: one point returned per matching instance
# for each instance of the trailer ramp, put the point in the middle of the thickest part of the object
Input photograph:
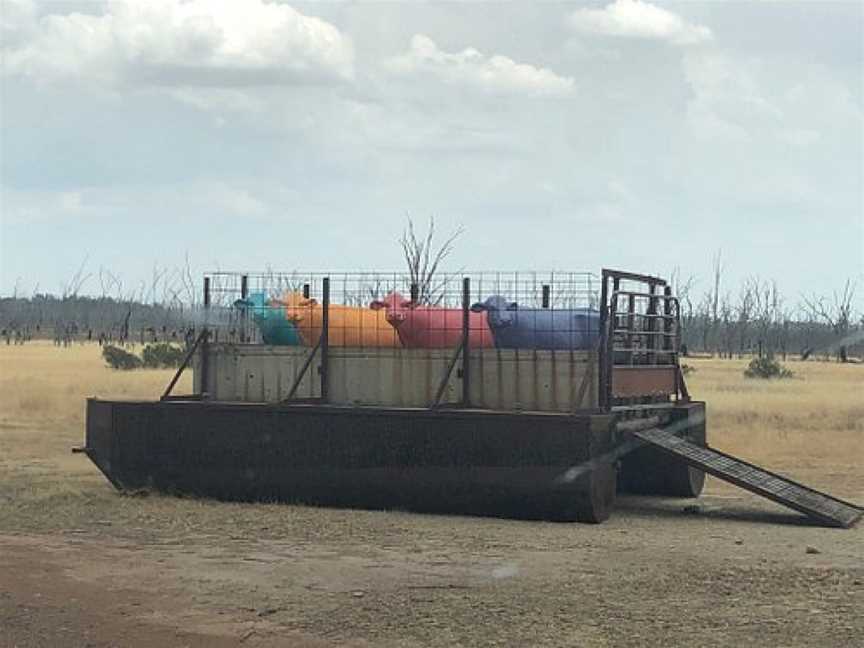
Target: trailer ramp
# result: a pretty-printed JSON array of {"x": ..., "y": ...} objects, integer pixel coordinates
[{"x": 824, "y": 508}]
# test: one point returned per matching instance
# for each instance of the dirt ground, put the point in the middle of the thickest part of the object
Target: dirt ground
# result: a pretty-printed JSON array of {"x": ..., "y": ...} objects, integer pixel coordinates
[{"x": 81, "y": 565}]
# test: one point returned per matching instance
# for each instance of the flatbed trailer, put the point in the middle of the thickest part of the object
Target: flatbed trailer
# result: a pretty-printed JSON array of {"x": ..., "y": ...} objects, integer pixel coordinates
[{"x": 537, "y": 433}]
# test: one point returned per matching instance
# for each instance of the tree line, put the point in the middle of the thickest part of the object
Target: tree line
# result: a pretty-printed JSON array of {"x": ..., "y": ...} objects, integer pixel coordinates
[
  {"x": 755, "y": 318},
  {"x": 80, "y": 318},
  {"x": 162, "y": 309}
]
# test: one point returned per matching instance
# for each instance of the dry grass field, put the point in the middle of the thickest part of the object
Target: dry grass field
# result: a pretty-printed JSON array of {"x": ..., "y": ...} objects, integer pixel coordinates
[{"x": 81, "y": 565}]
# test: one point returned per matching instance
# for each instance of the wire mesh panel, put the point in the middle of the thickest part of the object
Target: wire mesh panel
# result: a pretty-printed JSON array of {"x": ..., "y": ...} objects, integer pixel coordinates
[
  {"x": 386, "y": 310},
  {"x": 529, "y": 338}
]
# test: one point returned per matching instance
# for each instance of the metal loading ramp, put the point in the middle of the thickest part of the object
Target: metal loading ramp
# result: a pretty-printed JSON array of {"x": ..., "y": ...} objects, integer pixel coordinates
[{"x": 824, "y": 508}]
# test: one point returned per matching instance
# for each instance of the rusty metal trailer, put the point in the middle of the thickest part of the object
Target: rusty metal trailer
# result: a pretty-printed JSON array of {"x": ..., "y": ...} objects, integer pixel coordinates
[{"x": 538, "y": 433}]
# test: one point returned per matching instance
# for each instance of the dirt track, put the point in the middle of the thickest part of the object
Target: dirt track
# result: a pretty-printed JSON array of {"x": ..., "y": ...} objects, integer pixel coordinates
[{"x": 652, "y": 575}]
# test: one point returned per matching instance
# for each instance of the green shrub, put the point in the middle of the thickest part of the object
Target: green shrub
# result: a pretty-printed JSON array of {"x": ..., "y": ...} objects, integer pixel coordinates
[
  {"x": 766, "y": 367},
  {"x": 118, "y": 358},
  {"x": 162, "y": 356}
]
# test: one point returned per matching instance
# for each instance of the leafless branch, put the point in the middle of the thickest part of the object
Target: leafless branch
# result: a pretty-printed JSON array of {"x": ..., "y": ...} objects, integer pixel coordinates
[{"x": 424, "y": 260}]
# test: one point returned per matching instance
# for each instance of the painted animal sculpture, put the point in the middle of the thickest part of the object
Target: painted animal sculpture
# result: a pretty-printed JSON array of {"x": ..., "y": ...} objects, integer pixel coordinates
[
  {"x": 349, "y": 326},
  {"x": 433, "y": 327},
  {"x": 271, "y": 320},
  {"x": 517, "y": 327}
]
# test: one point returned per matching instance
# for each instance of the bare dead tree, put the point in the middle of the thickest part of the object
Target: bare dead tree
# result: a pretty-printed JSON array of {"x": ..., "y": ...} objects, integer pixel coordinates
[
  {"x": 103, "y": 282},
  {"x": 188, "y": 282},
  {"x": 705, "y": 320},
  {"x": 767, "y": 307},
  {"x": 837, "y": 313},
  {"x": 682, "y": 288},
  {"x": 784, "y": 330},
  {"x": 112, "y": 285},
  {"x": 708, "y": 309},
  {"x": 744, "y": 312},
  {"x": 715, "y": 294},
  {"x": 424, "y": 258},
  {"x": 157, "y": 277},
  {"x": 727, "y": 326},
  {"x": 77, "y": 281}
]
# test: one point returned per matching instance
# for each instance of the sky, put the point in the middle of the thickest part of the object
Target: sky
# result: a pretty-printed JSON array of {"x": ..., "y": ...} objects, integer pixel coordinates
[{"x": 246, "y": 134}]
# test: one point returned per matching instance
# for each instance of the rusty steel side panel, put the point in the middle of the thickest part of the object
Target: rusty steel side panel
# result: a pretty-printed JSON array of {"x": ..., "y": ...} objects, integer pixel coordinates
[
  {"x": 123, "y": 460},
  {"x": 446, "y": 461},
  {"x": 99, "y": 441},
  {"x": 630, "y": 382}
]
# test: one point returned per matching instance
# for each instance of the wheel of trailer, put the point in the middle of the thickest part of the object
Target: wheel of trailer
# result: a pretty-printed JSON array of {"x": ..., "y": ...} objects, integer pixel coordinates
[
  {"x": 682, "y": 480},
  {"x": 597, "y": 494},
  {"x": 650, "y": 471}
]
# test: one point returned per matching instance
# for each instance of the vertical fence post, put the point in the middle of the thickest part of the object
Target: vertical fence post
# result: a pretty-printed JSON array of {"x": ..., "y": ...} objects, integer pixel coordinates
[
  {"x": 667, "y": 320},
  {"x": 604, "y": 328},
  {"x": 325, "y": 337},
  {"x": 466, "y": 347},
  {"x": 632, "y": 337},
  {"x": 205, "y": 341},
  {"x": 244, "y": 294},
  {"x": 546, "y": 292},
  {"x": 652, "y": 323},
  {"x": 207, "y": 292},
  {"x": 668, "y": 346},
  {"x": 610, "y": 341}
]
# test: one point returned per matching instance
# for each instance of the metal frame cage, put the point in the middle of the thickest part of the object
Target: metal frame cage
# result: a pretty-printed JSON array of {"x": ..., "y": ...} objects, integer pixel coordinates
[
  {"x": 274, "y": 291},
  {"x": 630, "y": 322}
]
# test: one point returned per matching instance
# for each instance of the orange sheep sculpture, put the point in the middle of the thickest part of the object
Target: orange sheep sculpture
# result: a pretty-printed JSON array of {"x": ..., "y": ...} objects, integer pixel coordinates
[{"x": 350, "y": 326}]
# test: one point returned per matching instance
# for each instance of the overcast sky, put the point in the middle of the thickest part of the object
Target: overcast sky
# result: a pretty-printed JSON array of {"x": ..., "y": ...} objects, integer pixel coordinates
[{"x": 569, "y": 136}]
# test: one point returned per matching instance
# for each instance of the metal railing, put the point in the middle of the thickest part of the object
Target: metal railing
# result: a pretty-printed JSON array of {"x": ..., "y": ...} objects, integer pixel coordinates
[
  {"x": 383, "y": 314},
  {"x": 641, "y": 331},
  {"x": 238, "y": 306},
  {"x": 633, "y": 326}
]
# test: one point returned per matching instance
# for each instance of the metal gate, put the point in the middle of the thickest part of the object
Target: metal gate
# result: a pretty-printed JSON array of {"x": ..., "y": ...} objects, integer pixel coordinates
[{"x": 640, "y": 345}]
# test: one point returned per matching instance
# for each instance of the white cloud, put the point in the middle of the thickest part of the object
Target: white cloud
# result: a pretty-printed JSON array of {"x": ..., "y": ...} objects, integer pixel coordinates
[
  {"x": 802, "y": 138},
  {"x": 221, "y": 101},
  {"x": 210, "y": 201},
  {"x": 178, "y": 43},
  {"x": 471, "y": 68},
  {"x": 71, "y": 201},
  {"x": 240, "y": 202},
  {"x": 728, "y": 100},
  {"x": 33, "y": 206},
  {"x": 752, "y": 99},
  {"x": 637, "y": 19},
  {"x": 16, "y": 19}
]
